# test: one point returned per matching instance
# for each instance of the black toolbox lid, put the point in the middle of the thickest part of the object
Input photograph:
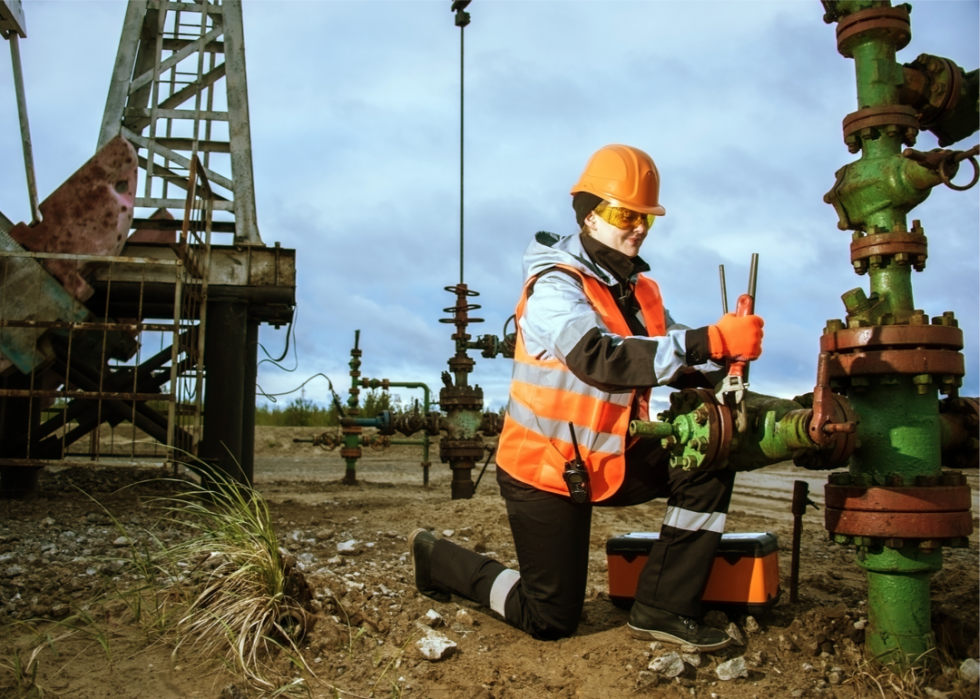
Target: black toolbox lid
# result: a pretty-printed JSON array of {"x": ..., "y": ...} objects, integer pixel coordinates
[{"x": 755, "y": 544}]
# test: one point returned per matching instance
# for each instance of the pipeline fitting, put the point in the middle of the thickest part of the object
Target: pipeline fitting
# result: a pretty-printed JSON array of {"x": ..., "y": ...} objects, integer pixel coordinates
[
  {"x": 886, "y": 24},
  {"x": 898, "y": 247},
  {"x": 943, "y": 95},
  {"x": 933, "y": 512},
  {"x": 960, "y": 428},
  {"x": 930, "y": 354},
  {"x": 698, "y": 432},
  {"x": 872, "y": 123}
]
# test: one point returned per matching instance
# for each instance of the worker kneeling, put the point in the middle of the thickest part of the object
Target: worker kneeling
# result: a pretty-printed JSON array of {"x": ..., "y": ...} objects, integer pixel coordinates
[{"x": 593, "y": 338}]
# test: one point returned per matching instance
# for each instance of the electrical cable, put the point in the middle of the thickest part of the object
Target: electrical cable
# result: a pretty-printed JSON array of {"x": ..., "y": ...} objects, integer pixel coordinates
[
  {"x": 271, "y": 396},
  {"x": 291, "y": 331}
]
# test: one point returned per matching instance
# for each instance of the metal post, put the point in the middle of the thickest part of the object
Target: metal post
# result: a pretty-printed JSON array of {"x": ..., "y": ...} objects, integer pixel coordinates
[
  {"x": 239, "y": 133},
  {"x": 800, "y": 500},
  {"x": 25, "y": 126},
  {"x": 224, "y": 388},
  {"x": 17, "y": 417},
  {"x": 122, "y": 72},
  {"x": 248, "y": 398}
]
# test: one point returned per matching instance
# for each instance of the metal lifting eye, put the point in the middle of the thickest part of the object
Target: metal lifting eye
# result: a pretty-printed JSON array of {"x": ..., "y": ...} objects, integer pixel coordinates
[
  {"x": 956, "y": 158},
  {"x": 122, "y": 186}
]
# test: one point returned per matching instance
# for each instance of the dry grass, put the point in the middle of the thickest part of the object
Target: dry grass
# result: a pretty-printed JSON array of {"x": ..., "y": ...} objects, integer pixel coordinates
[
  {"x": 931, "y": 677},
  {"x": 229, "y": 591}
]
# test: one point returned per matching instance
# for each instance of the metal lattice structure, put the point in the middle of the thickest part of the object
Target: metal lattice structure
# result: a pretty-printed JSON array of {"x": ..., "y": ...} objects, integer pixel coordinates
[
  {"x": 179, "y": 89},
  {"x": 72, "y": 369}
]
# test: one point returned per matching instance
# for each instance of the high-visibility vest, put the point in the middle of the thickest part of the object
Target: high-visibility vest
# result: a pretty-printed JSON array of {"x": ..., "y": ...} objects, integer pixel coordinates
[{"x": 545, "y": 396}]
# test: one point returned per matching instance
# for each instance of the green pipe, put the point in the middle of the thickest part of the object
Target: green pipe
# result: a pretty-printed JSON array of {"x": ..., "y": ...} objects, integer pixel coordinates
[
  {"x": 899, "y": 612},
  {"x": 879, "y": 77},
  {"x": 425, "y": 411},
  {"x": 900, "y": 428},
  {"x": 901, "y": 434},
  {"x": 375, "y": 383},
  {"x": 779, "y": 431},
  {"x": 641, "y": 428}
]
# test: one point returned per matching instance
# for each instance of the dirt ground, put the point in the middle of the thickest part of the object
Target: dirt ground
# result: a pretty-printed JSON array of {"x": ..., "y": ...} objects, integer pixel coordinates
[{"x": 53, "y": 553}]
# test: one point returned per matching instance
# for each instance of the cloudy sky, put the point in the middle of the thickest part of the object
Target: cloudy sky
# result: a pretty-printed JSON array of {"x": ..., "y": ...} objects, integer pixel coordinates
[{"x": 355, "y": 136}]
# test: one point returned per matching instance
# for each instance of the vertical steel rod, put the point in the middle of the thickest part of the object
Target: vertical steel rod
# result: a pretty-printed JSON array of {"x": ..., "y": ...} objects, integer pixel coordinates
[
  {"x": 25, "y": 127},
  {"x": 753, "y": 274},
  {"x": 724, "y": 291},
  {"x": 801, "y": 491},
  {"x": 462, "y": 31}
]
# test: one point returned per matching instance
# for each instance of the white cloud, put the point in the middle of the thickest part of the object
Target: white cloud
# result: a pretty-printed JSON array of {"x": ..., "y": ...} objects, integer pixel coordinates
[{"x": 354, "y": 111}]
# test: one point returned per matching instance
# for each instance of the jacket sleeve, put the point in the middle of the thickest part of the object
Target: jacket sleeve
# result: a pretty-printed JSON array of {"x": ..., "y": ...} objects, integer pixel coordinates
[{"x": 560, "y": 322}]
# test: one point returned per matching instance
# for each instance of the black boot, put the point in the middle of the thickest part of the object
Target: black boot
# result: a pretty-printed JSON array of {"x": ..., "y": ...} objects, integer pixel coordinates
[
  {"x": 652, "y": 624},
  {"x": 420, "y": 544}
]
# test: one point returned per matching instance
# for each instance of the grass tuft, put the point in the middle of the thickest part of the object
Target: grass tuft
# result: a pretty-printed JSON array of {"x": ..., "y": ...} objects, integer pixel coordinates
[
  {"x": 23, "y": 674},
  {"x": 229, "y": 591}
]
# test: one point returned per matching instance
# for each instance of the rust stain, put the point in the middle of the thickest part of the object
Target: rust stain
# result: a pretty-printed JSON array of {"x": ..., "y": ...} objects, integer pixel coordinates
[{"x": 86, "y": 215}]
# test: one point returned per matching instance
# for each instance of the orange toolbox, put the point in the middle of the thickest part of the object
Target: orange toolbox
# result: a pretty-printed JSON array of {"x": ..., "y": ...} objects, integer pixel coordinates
[{"x": 744, "y": 577}]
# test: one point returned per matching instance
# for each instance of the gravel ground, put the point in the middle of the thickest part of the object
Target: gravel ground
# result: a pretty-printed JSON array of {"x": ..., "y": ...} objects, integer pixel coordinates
[{"x": 375, "y": 636}]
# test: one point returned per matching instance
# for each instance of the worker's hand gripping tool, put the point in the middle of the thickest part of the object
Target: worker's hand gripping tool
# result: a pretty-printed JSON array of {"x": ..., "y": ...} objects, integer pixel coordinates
[
  {"x": 735, "y": 383},
  {"x": 576, "y": 476}
]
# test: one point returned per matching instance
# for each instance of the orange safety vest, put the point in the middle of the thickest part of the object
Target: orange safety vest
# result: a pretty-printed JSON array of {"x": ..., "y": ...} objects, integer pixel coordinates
[{"x": 545, "y": 396}]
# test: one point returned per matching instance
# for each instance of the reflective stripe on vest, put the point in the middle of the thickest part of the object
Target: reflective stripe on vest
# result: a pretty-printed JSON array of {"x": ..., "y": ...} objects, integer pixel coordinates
[{"x": 545, "y": 396}]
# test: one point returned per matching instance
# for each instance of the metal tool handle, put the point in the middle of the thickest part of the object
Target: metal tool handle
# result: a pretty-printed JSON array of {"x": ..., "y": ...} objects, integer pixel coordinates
[
  {"x": 738, "y": 370},
  {"x": 724, "y": 291},
  {"x": 743, "y": 307}
]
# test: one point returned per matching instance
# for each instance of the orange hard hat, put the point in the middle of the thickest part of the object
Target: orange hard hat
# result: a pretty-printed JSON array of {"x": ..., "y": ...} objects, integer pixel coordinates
[{"x": 623, "y": 176}]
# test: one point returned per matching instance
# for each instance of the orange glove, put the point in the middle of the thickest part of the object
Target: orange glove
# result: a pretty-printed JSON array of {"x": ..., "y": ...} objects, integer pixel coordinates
[{"x": 736, "y": 337}]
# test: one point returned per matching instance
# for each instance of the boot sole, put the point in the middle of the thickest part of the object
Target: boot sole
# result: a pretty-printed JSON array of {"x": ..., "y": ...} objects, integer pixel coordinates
[
  {"x": 436, "y": 595},
  {"x": 651, "y": 635}
]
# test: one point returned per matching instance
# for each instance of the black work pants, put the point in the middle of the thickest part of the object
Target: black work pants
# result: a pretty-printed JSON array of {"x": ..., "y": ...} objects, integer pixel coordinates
[{"x": 551, "y": 537}]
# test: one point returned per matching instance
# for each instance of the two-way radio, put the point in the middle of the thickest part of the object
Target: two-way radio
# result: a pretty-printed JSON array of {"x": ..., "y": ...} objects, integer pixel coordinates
[{"x": 576, "y": 476}]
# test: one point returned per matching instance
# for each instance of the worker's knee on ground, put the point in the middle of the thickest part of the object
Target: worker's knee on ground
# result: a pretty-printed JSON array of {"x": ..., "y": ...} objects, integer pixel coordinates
[{"x": 551, "y": 623}]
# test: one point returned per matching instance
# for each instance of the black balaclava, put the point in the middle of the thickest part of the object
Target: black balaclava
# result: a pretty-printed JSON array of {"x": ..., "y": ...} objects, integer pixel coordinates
[{"x": 584, "y": 203}]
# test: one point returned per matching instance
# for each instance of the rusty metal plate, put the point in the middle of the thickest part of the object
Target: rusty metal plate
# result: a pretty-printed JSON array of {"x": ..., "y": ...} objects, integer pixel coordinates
[
  {"x": 350, "y": 453},
  {"x": 893, "y": 336},
  {"x": 90, "y": 213},
  {"x": 898, "y": 361},
  {"x": 886, "y": 22},
  {"x": 953, "y": 498},
  {"x": 155, "y": 235},
  {"x": 899, "y": 525},
  {"x": 889, "y": 244}
]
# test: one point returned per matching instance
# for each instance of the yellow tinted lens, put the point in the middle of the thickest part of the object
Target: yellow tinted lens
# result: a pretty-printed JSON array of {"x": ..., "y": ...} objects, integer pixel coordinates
[{"x": 623, "y": 218}]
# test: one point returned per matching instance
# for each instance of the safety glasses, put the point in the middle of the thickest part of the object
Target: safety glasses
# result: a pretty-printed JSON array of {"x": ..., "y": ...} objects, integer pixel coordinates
[{"x": 623, "y": 218}]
